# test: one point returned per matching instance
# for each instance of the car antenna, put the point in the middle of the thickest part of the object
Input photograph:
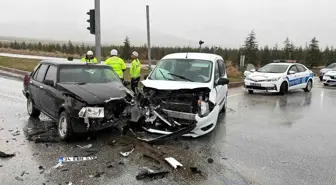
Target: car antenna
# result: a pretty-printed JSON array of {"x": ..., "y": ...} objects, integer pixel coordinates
[{"x": 188, "y": 49}]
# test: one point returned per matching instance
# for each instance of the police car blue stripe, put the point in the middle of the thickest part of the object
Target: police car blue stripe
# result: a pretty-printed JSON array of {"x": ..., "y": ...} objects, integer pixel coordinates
[{"x": 298, "y": 81}]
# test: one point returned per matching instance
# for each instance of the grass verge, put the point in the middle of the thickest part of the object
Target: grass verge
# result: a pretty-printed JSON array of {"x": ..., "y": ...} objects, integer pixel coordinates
[{"x": 30, "y": 64}]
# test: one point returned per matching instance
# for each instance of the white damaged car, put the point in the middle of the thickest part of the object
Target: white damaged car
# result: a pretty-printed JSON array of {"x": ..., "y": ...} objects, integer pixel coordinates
[
  {"x": 329, "y": 78},
  {"x": 186, "y": 93},
  {"x": 279, "y": 78}
]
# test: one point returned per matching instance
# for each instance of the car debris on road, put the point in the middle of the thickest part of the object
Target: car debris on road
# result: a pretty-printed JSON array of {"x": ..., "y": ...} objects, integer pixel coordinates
[
  {"x": 85, "y": 146},
  {"x": 127, "y": 151},
  {"x": 4, "y": 155},
  {"x": 151, "y": 174},
  {"x": 173, "y": 162}
]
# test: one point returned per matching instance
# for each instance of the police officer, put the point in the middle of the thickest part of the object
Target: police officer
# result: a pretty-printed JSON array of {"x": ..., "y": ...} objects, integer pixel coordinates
[
  {"x": 89, "y": 58},
  {"x": 116, "y": 63},
  {"x": 135, "y": 71}
]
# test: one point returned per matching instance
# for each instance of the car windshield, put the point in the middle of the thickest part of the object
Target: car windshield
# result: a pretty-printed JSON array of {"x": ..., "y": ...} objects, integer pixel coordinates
[
  {"x": 333, "y": 69},
  {"x": 331, "y": 66},
  {"x": 273, "y": 68},
  {"x": 87, "y": 74},
  {"x": 192, "y": 70}
]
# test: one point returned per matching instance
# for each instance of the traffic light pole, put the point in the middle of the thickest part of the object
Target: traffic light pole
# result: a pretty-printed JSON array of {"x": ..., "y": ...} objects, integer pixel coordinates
[
  {"x": 148, "y": 39},
  {"x": 97, "y": 30}
]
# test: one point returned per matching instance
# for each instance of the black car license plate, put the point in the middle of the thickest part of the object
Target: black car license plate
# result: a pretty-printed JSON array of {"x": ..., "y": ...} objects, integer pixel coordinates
[{"x": 255, "y": 84}]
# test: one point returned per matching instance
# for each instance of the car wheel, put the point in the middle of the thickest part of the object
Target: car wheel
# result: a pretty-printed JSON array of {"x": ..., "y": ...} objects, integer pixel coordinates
[
  {"x": 283, "y": 88},
  {"x": 321, "y": 78},
  {"x": 250, "y": 91},
  {"x": 325, "y": 84},
  {"x": 32, "y": 111},
  {"x": 64, "y": 126},
  {"x": 309, "y": 86}
]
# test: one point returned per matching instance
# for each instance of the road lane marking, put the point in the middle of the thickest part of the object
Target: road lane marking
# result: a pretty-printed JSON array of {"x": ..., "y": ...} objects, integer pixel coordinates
[{"x": 235, "y": 95}]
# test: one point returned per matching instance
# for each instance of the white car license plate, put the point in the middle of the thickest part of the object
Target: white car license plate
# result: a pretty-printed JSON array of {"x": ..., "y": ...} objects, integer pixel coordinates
[{"x": 255, "y": 84}]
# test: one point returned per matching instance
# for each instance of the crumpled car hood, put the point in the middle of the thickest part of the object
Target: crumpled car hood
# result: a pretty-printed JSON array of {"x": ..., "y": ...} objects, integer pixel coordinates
[
  {"x": 174, "y": 85},
  {"x": 96, "y": 93}
]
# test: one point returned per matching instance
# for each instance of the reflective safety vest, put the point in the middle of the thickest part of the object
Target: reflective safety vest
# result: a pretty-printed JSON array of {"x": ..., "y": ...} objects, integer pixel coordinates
[
  {"x": 94, "y": 60},
  {"x": 117, "y": 64},
  {"x": 135, "y": 68}
]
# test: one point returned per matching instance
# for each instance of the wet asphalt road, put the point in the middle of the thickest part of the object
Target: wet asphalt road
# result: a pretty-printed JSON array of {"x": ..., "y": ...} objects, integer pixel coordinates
[{"x": 262, "y": 139}]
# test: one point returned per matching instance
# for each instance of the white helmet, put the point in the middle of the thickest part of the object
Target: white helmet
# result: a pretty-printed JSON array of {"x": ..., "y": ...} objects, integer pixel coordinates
[
  {"x": 135, "y": 53},
  {"x": 89, "y": 53},
  {"x": 114, "y": 52}
]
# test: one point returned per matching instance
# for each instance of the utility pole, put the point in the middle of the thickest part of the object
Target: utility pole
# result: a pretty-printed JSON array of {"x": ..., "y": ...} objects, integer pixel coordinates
[
  {"x": 148, "y": 39},
  {"x": 97, "y": 30}
]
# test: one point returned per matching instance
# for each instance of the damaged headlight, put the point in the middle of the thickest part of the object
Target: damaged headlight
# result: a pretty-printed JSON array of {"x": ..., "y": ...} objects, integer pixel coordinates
[
  {"x": 203, "y": 108},
  {"x": 91, "y": 112}
]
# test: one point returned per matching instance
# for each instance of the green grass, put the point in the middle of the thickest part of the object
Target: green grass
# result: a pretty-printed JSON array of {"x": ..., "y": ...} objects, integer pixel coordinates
[
  {"x": 30, "y": 64},
  {"x": 19, "y": 63}
]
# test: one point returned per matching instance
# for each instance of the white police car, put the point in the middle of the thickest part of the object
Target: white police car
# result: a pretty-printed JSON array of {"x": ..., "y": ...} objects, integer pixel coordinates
[
  {"x": 329, "y": 78},
  {"x": 279, "y": 78}
]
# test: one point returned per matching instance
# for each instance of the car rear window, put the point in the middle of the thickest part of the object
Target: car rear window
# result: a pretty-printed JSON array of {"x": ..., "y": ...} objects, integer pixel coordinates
[{"x": 87, "y": 74}]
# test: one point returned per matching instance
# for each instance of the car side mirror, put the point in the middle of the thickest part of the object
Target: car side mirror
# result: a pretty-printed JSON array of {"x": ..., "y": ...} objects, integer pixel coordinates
[
  {"x": 291, "y": 72},
  {"x": 49, "y": 82},
  {"x": 222, "y": 81},
  {"x": 252, "y": 70},
  {"x": 145, "y": 77}
]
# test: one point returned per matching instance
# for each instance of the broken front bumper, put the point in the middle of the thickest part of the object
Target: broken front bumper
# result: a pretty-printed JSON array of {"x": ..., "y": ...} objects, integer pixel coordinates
[{"x": 200, "y": 127}]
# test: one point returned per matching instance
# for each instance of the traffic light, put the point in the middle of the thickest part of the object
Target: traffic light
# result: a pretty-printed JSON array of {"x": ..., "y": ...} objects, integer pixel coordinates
[
  {"x": 200, "y": 42},
  {"x": 92, "y": 21}
]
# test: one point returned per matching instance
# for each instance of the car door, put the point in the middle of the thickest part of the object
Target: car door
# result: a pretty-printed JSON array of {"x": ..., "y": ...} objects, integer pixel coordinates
[
  {"x": 304, "y": 74},
  {"x": 221, "y": 89},
  {"x": 36, "y": 85},
  {"x": 50, "y": 94},
  {"x": 293, "y": 79}
]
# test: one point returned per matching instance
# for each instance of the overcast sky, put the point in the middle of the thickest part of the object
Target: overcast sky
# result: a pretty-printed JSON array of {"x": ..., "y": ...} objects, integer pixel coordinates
[{"x": 224, "y": 23}]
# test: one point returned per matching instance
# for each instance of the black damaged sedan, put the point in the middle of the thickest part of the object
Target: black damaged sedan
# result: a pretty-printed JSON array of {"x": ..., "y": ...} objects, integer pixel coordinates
[{"x": 80, "y": 97}]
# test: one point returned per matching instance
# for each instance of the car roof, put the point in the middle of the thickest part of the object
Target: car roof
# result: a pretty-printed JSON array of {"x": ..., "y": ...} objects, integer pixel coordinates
[
  {"x": 193, "y": 55},
  {"x": 65, "y": 62}
]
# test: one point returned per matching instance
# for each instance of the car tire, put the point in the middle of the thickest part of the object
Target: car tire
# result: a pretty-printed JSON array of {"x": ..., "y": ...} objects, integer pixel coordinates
[
  {"x": 321, "y": 78},
  {"x": 325, "y": 84},
  {"x": 309, "y": 86},
  {"x": 32, "y": 111},
  {"x": 64, "y": 128},
  {"x": 250, "y": 91},
  {"x": 283, "y": 88}
]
